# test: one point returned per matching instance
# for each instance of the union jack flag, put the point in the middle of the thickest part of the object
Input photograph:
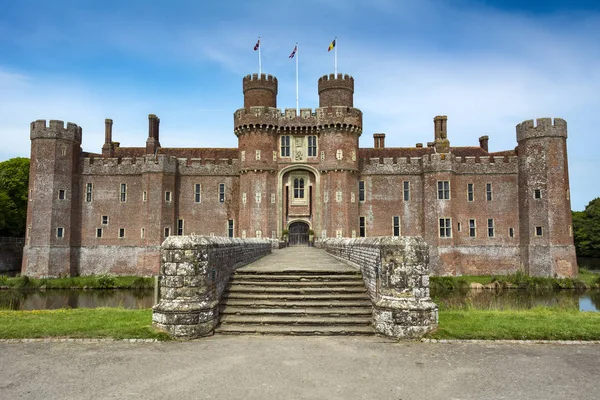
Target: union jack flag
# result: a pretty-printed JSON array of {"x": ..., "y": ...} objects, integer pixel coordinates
[
  {"x": 294, "y": 52},
  {"x": 257, "y": 45}
]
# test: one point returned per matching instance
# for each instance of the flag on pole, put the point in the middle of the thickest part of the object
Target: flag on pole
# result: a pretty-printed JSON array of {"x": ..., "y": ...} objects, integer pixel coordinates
[
  {"x": 331, "y": 45},
  {"x": 294, "y": 52},
  {"x": 257, "y": 45}
]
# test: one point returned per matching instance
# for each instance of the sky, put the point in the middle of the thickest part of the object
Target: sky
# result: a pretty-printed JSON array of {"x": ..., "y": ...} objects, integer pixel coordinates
[{"x": 487, "y": 65}]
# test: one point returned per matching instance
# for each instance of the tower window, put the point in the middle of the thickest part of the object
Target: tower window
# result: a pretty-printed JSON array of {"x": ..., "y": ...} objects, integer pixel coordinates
[
  {"x": 470, "y": 194},
  {"x": 230, "y": 228},
  {"x": 60, "y": 232},
  {"x": 488, "y": 191},
  {"x": 257, "y": 155},
  {"x": 443, "y": 190},
  {"x": 511, "y": 232},
  {"x": 99, "y": 232},
  {"x": 144, "y": 196},
  {"x": 88, "y": 192},
  {"x": 221, "y": 193},
  {"x": 539, "y": 231},
  {"x": 105, "y": 220},
  {"x": 285, "y": 146},
  {"x": 61, "y": 194},
  {"x": 168, "y": 196},
  {"x": 167, "y": 232},
  {"x": 537, "y": 194},
  {"x": 123, "y": 192},
  {"x": 445, "y": 228},
  {"x": 312, "y": 146},
  {"x": 490, "y": 227},
  {"x": 406, "y": 185},
  {"x": 361, "y": 226},
  {"x": 179, "y": 227},
  {"x": 396, "y": 225},
  {"x": 472, "y": 228},
  {"x": 361, "y": 190},
  {"x": 197, "y": 197},
  {"x": 121, "y": 232}
]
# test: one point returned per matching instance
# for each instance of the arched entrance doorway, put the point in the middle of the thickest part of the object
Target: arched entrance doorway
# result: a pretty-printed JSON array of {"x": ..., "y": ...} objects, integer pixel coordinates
[{"x": 298, "y": 234}]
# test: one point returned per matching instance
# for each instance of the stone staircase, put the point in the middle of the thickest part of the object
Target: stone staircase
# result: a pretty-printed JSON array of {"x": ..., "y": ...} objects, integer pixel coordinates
[{"x": 314, "y": 295}]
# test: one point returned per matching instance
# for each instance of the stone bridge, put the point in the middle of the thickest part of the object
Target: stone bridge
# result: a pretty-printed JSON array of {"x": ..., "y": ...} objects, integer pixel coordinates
[
  {"x": 343, "y": 287},
  {"x": 11, "y": 255}
]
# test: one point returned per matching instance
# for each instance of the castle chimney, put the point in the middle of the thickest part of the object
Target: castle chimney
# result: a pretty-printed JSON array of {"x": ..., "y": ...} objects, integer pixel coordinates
[
  {"x": 151, "y": 126},
  {"x": 419, "y": 145},
  {"x": 108, "y": 130},
  {"x": 430, "y": 144},
  {"x": 156, "y": 129},
  {"x": 483, "y": 142},
  {"x": 379, "y": 140},
  {"x": 440, "y": 124},
  {"x": 152, "y": 143}
]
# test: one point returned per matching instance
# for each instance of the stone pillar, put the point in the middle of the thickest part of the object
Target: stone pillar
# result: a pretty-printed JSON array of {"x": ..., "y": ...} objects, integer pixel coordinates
[{"x": 403, "y": 308}]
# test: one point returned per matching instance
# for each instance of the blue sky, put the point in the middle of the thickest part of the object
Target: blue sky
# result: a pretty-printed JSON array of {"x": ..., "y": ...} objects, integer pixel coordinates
[{"x": 488, "y": 65}]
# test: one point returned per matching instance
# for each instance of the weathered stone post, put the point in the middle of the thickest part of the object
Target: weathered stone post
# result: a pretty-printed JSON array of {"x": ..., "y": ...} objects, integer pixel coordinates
[
  {"x": 188, "y": 306},
  {"x": 403, "y": 308}
]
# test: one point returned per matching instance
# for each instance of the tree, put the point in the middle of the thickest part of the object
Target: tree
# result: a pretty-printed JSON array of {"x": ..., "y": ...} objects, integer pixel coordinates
[
  {"x": 586, "y": 230},
  {"x": 14, "y": 187}
]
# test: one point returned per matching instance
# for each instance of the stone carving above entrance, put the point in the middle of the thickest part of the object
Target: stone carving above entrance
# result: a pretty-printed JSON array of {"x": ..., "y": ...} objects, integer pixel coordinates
[{"x": 299, "y": 154}]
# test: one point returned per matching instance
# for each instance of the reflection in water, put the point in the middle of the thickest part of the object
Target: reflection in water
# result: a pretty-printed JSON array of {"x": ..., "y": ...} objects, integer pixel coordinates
[
  {"x": 519, "y": 299},
  {"x": 53, "y": 299}
]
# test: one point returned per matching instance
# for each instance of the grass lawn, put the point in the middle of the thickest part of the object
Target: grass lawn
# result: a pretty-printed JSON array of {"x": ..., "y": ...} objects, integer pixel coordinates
[
  {"x": 116, "y": 323},
  {"x": 532, "y": 324}
]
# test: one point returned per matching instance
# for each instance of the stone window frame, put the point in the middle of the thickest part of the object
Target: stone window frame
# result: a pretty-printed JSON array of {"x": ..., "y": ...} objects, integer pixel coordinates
[
  {"x": 539, "y": 231},
  {"x": 458, "y": 227},
  {"x": 121, "y": 233},
  {"x": 257, "y": 155},
  {"x": 180, "y": 227},
  {"x": 62, "y": 194},
  {"x": 488, "y": 192},
  {"x": 299, "y": 193},
  {"x": 168, "y": 196},
  {"x": 123, "y": 193},
  {"x": 362, "y": 226},
  {"x": 258, "y": 197},
  {"x": 312, "y": 146},
  {"x": 144, "y": 196},
  {"x": 273, "y": 198},
  {"x": 221, "y": 192},
  {"x": 470, "y": 192},
  {"x": 230, "y": 228},
  {"x": 258, "y": 234},
  {"x": 244, "y": 198},
  {"x": 104, "y": 220},
  {"x": 89, "y": 192},
  {"x": 491, "y": 227},
  {"x": 443, "y": 189},
  {"x": 142, "y": 233},
  {"x": 361, "y": 190},
  {"x": 396, "y": 229},
  {"x": 537, "y": 194},
  {"x": 472, "y": 228},
  {"x": 285, "y": 146},
  {"x": 339, "y": 196},
  {"x": 406, "y": 190},
  {"x": 99, "y": 233},
  {"x": 167, "y": 232},
  {"x": 445, "y": 228},
  {"x": 60, "y": 232},
  {"x": 197, "y": 192},
  {"x": 339, "y": 233},
  {"x": 511, "y": 232}
]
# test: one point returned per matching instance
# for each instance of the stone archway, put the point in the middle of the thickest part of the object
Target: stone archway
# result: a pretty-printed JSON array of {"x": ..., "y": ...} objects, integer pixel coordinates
[{"x": 298, "y": 233}]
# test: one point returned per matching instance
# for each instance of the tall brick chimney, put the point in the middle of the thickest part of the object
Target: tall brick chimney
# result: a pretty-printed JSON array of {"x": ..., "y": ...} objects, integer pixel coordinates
[
  {"x": 483, "y": 142},
  {"x": 379, "y": 140}
]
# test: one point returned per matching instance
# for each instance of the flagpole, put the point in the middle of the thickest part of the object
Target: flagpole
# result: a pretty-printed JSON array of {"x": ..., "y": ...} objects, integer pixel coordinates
[
  {"x": 335, "y": 57},
  {"x": 259, "y": 59},
  {"x": 297, "y": 106}
]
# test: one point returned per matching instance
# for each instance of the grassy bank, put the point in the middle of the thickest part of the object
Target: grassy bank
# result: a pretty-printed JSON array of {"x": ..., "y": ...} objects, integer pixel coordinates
[
  {"x": 78, "y": 282},
  {"x": 116, "y": 323},
  {"x": 534, "y": 324}
]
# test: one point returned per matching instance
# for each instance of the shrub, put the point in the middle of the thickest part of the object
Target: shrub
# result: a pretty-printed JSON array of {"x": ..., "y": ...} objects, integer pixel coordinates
[{"x": 106, "y": 281}]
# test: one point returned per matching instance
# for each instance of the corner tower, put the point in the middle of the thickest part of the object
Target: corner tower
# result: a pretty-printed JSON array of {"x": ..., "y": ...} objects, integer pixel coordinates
[
  {"x": 53, "y": 228},
  {"x": 546, "y": 236}
]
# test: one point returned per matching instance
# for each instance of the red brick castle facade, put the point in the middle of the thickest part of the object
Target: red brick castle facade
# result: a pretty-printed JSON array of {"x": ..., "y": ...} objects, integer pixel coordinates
[{"x": 480, "y": 212}]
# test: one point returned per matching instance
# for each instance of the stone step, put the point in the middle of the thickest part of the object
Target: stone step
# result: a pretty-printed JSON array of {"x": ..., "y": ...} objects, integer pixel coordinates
[
  {"x": 234, "y": 288},
  {"x": 298, "y": 272},
  {"x": 294, "y": 320},
  {"x": 296, "y": 297},
  {"x": 300, "y": 283},
  {"x": 298, "y": 278},
  {"x": 289, "y": 311},
  {"x": 309, "y": 330},
  {"x": 278, "y": 303}
]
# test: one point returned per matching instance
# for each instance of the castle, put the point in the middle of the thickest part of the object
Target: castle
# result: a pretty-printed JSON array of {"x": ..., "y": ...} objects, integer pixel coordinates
[{"x": 480, "y": 212}]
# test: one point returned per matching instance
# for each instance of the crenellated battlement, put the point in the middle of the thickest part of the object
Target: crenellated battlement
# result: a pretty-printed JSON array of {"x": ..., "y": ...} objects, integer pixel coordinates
[
  {"x": 344, "y": 80},
  {"x": 260, "y": 90},
  {"x": 55, "y": 130},
  {"x": 543, "y": 127},
  {"x": 309, "y": 121},
  {"x": 336, "y": 90}
]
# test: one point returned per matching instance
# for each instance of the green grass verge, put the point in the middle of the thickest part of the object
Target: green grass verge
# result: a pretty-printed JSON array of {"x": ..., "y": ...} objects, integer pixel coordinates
[
  {"x": 534, "y": 324},
  {"x": 116, "y": 323},
  {"x": 79, "y": 282}
]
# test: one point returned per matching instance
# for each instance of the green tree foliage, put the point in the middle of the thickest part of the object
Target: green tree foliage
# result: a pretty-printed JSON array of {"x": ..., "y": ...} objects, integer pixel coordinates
[
  {"x": 14, "y": 187},
  {"x": 586, "y": 230}
]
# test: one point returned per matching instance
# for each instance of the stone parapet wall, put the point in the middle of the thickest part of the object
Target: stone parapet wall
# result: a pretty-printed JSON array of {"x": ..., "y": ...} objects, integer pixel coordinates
[
  {"x": 396, "y": 274},
  {"x": 194, "y": 272}
]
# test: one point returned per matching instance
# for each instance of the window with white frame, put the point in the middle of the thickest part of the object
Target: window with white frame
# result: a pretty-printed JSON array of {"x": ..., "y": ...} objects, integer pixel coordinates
[
  {"x": 98, "y": 232},
  {"x": 123, "y": 196},
  {"x": 490, "y": 227},
  {"x": 539, "y": 231},
  {"x": 221, "y": 193},
  {"x": 121, "y": 232},
  {"x": 144, "y": 196},
  {"x": 443, "y": 190},
  {"x": 61, "y": 194},
  {"x": 167, "y": 232},
  {"x": 511, "y": 232},
  {"x": 406, "y": 189},
  {"x": 105, "y": 220},
  {"x": 230, "y": 228},
  {"x": 168, "y": 196},
  {"x": 488, "y": 191},
  {"x": 60, "y": 232},
  {"x": 537, "y": 194},
  {"x": 361, "y": 190},
  {"x": 472, "y": 228},
  {"x": 299, "y": 188},
  {"x": 88, "y": 192},
  {"x": 361, "y": 226},
  {"x": 470, "y": 193},
  {"x": 445, "y": 227},
  {"x": 396, "y": 225},
  {"x": 179, "y": 227},
  {"x": 197, "y": 191}
]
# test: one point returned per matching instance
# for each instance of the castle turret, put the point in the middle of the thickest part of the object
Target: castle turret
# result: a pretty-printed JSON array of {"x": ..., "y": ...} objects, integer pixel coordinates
[
  {"x": 336, "y": 90},
  {"x": 544, "y": 204},
  {"x": 260, "y": 91},
  {"x": 54, "y": 200}
]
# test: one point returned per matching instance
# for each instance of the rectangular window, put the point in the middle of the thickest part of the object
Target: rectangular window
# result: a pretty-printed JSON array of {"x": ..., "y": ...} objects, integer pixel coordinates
[
  {"x": 167, "y": 232},
  {"x": 285, "y": 146},
  {"x": 123, "y": 192},
  {"x": 144, "y": 196},
  {"x": 458, "y": 227},
  {"x": 406, "y": 185},
  {"x": 470, "y": 195},
  {"x": 490, "y": 227},
  {"x": 488, "y": 191},
  {"x": 61, "y": 194},
  {"x": 298, "y": 188},
  {"x": 396, "y": 225},
  {"x": 121, "y": 232},
  {"x": 99, "y": 232},
  {"x": 143, "y": 233},
  {"x": 221, "y": 193},
  {"x": 537, "y": 194},
  {"x": 258, "y": 234},
  {"x": 539, "y": 231},
  {"x": 60, "y": 232},
  {"x": 361, "y": 190},
  {"x": 168, "y": 196},
  {"x": 312, "y": 146},
  {"x": 443, "y": 190},
  {"x": 88, "y": 192},
  {"x": 179, "y": 227},
  {"x": 361, "y": 226},
  {"x": 511, "y": 232},
  {"x": 472, "y": 228},
  {"x": 230, "y": 228},
  {"x": 197, "y": 197},
  {"x": 445, "y": 228},
  {"x": 105, "y": 220}
]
